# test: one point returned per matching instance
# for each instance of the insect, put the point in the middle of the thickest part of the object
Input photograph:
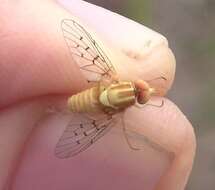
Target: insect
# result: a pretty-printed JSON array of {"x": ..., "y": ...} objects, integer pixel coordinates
[{"x": 107, "y": 97}]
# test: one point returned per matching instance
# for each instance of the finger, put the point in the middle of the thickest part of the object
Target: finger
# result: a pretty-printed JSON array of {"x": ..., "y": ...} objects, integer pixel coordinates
[
  {"x": 167, "y": 128},
  {"x": 37, "y": 62},
  {"x": 35, "y": 59},
  {"x": 16, "y": 123},
  {"x": 38, "y": 49},
  {"x": 164, "y": 162},
  {"x": 137, "y": 51}
]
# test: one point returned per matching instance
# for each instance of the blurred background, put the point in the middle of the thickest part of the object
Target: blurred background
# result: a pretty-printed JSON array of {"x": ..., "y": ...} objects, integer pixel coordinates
[{"x": 189, "y": 26}]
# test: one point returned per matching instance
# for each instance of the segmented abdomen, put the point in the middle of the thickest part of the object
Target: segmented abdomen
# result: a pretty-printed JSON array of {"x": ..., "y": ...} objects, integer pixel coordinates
[{"x": 86, "y": 101}]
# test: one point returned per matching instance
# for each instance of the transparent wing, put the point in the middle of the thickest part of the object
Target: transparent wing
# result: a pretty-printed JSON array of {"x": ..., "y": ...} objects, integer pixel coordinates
[
  {"x": 79, "y": 136},
  {"x": 91, "y": 59}
]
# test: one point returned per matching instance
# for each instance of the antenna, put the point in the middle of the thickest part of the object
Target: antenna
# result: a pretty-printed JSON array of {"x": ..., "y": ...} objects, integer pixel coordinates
[
  {"x": 158, "y": 78},
  {"x": 158, "y": 106},
  {"x": 154, "y": 105}
]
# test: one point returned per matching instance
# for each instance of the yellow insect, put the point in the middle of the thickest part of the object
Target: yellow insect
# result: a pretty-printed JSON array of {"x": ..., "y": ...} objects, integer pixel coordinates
[{"x": 108, "y": 95}]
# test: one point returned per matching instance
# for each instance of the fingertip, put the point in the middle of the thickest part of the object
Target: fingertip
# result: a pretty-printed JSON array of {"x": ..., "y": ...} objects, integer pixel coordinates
[
  {"x": 36, "y": 59},
  {"x": 136, "y": 51},
  {"x": 168, "y": 123},
  {"x": 168, "y": 128}
]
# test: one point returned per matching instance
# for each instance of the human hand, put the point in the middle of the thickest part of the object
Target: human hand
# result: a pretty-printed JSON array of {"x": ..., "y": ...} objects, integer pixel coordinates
[{"x": 37, "y": 72}]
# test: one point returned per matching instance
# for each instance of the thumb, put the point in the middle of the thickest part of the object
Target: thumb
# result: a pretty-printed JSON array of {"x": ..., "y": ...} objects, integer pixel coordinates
[{"x": 45, "y": 68}]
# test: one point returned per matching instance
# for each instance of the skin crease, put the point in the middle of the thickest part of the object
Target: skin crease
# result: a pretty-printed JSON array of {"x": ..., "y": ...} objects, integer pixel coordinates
[{"x": 37, "y": 72}]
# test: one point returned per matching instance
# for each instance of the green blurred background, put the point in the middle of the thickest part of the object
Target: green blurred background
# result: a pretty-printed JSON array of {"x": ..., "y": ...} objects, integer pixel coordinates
[{"x": 189, "y": 26}]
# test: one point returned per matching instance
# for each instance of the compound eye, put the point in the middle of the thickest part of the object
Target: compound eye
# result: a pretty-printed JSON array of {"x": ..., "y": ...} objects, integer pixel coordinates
[{"x": 143, "y": 97}]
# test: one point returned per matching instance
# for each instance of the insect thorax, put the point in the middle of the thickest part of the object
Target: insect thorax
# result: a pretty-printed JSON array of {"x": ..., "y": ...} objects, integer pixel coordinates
[{"x": 118, "y": 96}]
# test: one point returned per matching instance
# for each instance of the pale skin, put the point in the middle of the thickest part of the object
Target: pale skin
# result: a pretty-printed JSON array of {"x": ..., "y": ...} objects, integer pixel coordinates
[{"x": 37, "y": 72}]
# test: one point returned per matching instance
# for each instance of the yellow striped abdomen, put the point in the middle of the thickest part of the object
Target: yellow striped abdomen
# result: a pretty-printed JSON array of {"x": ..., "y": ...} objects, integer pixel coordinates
[{"x": 85, "y": 101}]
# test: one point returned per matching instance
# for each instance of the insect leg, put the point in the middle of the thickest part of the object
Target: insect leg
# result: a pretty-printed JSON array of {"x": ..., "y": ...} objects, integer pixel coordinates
[
  {"x": 148, "y": 104},
  {"x": 157, "y": 78},
  {"x": 126, "y": 136},
  {"x": 93, "y": 81},
  {"x": 158, "y": 106},
  {"x": 55, "y": 110}
]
